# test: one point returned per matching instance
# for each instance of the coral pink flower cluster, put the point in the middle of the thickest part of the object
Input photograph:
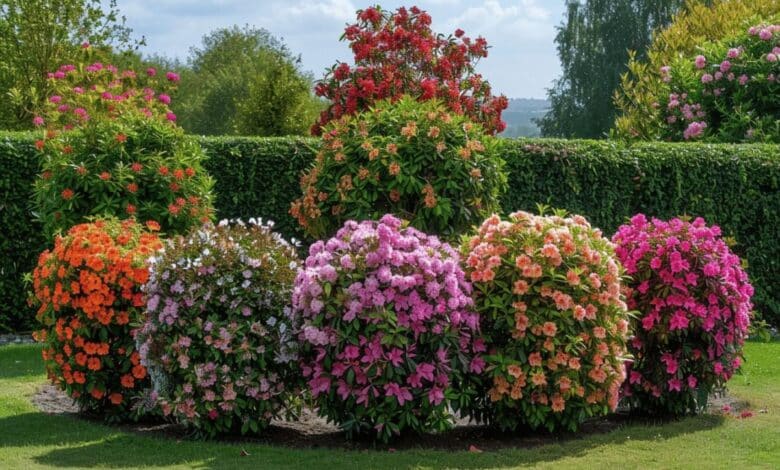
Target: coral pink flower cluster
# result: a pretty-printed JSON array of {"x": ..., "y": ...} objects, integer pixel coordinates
[
  {"x": 386, "y": 326},
  {"x": 694, "y": 299},
  {"x": 548, "y": 292}
]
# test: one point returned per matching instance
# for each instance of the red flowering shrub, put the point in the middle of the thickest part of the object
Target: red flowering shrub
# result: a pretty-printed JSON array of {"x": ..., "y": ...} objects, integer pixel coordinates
[
  {"x": 386, "y": 329},
  {"x": 555, "y": 325},
  {"x": 88, "y": 293},
  {"x": 398, "y": 54},
  {"x": 111, "y": 149},
  {"x": 416, "y": 160},
  {"x": 694, "y": 302}
]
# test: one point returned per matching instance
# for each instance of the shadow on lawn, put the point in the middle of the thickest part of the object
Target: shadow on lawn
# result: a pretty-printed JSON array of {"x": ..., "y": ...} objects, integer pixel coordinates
[
  {"x": 85, "y": 444},
  {"x": 20, "y": 361}
]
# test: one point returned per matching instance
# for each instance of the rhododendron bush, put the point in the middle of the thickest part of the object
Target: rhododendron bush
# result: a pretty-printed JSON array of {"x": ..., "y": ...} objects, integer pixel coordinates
[
  {"x": 416, "y": 160},
  {"x": 694, "y": 302},
  {"x": 110, "y": 147},
  {"x": 547, "y": 289},
  {"x": 397, "y": 53},
  {"x": 88, "y": 293},
  {"x": 729, "y": 92},
  {"x": 216, "y": 339},
  {"x": 386, "y": 329}
]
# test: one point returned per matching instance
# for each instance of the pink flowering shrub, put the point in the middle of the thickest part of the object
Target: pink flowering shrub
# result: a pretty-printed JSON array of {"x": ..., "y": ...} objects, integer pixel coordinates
[
  {"x": 547, "y": 289},
  {"x": 729, "y": 92},
  {"x": 216, "y": 339},
  {"x": 694, "y": 302},
  {"x": 111, "y": 148},
  {"x": 386, "y": 329}
]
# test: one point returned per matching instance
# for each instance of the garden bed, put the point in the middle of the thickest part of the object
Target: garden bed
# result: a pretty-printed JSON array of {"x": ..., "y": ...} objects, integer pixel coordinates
[{"x": 312, "y": 431}]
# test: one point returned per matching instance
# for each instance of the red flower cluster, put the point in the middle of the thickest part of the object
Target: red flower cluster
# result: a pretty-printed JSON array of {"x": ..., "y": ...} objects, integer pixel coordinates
[
  {"x": 88, "y": 293},
  {"x": 398, "y": 53}
]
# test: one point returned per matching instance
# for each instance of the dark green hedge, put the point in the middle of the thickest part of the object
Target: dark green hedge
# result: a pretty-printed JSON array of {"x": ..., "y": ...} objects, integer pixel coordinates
[{"x": 734, "y": 186}]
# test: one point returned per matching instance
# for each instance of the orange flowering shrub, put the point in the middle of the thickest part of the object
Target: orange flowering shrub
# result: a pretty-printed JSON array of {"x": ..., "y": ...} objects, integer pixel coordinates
[
  {"x": 88, "y": 293},
  {"x": 547, "y": 289}
]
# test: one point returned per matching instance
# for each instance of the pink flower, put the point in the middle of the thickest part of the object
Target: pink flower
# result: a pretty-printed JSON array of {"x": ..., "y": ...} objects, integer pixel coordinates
[
  {"x": 402, "y": 394},
  {"x": 725, "y": 66},
  {"x": 700, "y": 61},
  {"x": 694, "y": 130},
  {"x": 733, "y": 53},
  {"x": 743, "y": 79},
  {"x": 771, "y": 57},
  {"x": 706, "y": 78},
  {"x": 165, "y": 99},
  {"x": 151, "y": 72},
  {"x": 38, "y": 121},
  {"x": 170, "y": 116},
  {"x": 674, "y": 385},
  {"x": 172, "y": 77},
  {"x": 765, "y": 34}
]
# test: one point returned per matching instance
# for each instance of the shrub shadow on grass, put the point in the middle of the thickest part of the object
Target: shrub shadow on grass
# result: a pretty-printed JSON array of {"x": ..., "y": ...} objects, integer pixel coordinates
[
  {"x": 88, "y": 445},
  {"x": 20, "y": 360}
]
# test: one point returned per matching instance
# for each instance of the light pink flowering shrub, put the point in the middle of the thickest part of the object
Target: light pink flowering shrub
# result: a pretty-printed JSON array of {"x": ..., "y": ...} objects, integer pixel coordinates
[
  {"x": 386, "y": 328},
  {"x": 547, "y": 289},
  {"x": 730, "y": 92},
  {"x": 216, "y": 339},
  {"x": 694, "y": 302}
]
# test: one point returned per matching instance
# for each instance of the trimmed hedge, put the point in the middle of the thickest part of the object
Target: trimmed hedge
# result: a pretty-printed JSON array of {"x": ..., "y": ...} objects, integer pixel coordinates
[{"x": 734, "y": 186}]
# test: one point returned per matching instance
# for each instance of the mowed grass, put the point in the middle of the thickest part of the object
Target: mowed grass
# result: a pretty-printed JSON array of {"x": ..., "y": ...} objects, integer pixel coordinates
[{"x": 30, "y": 439}]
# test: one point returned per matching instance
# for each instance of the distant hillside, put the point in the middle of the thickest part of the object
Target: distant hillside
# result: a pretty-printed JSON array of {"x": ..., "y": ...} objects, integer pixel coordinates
[{"x": 518, "y": 117}]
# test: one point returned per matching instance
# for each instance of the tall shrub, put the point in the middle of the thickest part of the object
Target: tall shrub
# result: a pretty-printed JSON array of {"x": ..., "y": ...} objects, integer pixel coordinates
[
  {"x": 111, "y": 148},
  {"x": 416, "y": 160},
  {"x": 397, "y": 53}
]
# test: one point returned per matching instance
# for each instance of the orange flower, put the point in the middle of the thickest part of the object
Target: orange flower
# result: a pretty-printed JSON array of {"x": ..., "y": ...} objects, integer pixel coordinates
[
  {"x": 549, "y": 328},
  {"x": 115, "y": 398},
  {"x": 136, "y": 167},
  {"x": 67, "y": 194},
  {"x": 93, "y": 363},
  {"x": 105, "y": 176},
  {"x": 139, "y": 371},
  {"x": 127, "y": 381},
  {"x": 535, "y": 359},
  {"x": 97, "y": 394}
]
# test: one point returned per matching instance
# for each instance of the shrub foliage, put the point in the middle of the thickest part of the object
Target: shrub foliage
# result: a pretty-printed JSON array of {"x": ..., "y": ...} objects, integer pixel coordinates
[{"x": 416, "y": 160}]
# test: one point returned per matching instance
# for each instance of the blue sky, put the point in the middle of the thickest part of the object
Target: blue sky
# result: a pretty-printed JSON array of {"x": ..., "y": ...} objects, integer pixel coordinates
[{"x": 522, "y": 61}]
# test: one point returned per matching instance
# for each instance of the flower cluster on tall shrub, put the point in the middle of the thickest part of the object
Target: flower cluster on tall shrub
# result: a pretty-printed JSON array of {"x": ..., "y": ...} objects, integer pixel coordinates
[
  {"x": 88, "y": 293},
  {"x": 547, "y": 289},
  {"x": 217, "y": 339},
  {"x": 110, "y": 148},
  {"x": 416, "y": 160},
  {"x": 729, "y": 92},
  {"x": 386, "y": 329},
  {"x": 397, "y": 53},
  {"x": 694, "y": 301}
]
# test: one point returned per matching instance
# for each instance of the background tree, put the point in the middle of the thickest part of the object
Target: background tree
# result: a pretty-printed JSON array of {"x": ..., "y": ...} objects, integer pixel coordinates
[
  {"x": 37, "y": 36},
  {"x": 244, "y": 80},
  {"x": 593, "y": 45}
]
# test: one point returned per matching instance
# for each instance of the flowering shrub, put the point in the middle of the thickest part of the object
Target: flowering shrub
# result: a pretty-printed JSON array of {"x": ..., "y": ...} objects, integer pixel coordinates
[
  {"x": 386, "y": 329},
  {"x": 416, "y": 160},
  {"x": 111, "y": 148},
  {"x": 694, "y": 299},
  {"x": 643, "y": 88},
  {"x": 216, "y": 337},
  {"x": 548, "y": 293},
  {"x": 729, "y": 92},
  {"x": 88, "y": 292},
  {"x": 398, "y": 54}
]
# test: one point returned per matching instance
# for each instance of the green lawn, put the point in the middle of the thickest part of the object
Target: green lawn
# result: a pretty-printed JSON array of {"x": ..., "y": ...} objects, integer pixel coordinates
[{"x": 30, "y": 439}]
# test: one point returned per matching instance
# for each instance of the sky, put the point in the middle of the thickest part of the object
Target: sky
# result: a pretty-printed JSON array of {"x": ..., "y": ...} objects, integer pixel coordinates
[{"x": 522, "y": 61}]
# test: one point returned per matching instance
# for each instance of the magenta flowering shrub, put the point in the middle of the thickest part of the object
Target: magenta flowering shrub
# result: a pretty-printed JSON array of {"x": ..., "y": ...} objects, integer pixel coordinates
[
  {"x": 693, "y": 299},
  {"x": 547, "y": 289},
  {"x": 386, "y": 329},
  {"x": 729, "y": 92},
  {"x": 216, "y": 339}
]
